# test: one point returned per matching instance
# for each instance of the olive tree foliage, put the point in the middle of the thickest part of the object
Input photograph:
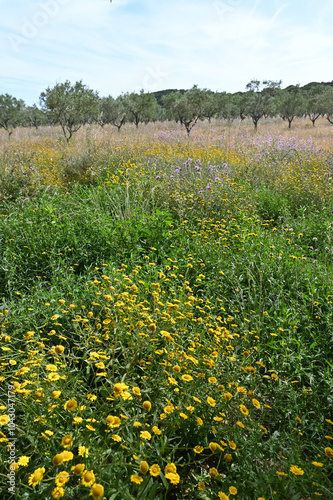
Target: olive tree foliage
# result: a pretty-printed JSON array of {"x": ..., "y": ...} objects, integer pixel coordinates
[
  {"x": 291, "y": 104},
  {"x": 316, "y": 102},
  {"x": 10, "y": 113},
  {"x": 327, "y": 103},
  {"x": 70, "y": 105},
  {"x": 140, "y": 108},
  {"x": 112, "y": 111},
  {"x": 33, "y": 116},
  {"x": 187, "y": 108},
  {"x": 260, "y": 99}
]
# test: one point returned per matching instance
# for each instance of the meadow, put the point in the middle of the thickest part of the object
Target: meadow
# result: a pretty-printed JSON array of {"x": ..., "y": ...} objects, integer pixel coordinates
[{"x": 166, "y": 312}]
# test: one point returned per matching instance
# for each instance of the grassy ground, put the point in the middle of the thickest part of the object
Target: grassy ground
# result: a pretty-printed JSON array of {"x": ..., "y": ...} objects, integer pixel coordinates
[{"x": 166, "y": 313}]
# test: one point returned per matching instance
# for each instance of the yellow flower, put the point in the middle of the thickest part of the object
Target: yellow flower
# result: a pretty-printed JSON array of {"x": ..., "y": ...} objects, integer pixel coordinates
[
  {"x": 97, "y": 491},
  {"x": 78, "y": 469},
  {"x": 119, "y": 388},
  {"x": 212, "y": 380},
  {"x": 329, "y": 452},
  {"x": 36, "y": 477},
  {"x": 201, "y": 486},
  {"x": 23, "y": 461},
  {"x": 4, "y": 419},
  {"x": 58, "y": 459},
  {"x": 144, "y": 467},
  {"x": 232, "y": 445},
  {"x": 233, "y": 490},
  {"x": 154, "y": 470},
  {"x": 136, "y": 391},
  {"x": 83, "y": 451},
  {"x": 112, "y": 421},
  {"x": 156, "y": 430},
  {"x": 176, "y": 369},
  {"x": 223, "y": 496},
  {"x": 53, "y": 376},
  {"x": 70, "y": 405},
  {"x": 68, "y": 455},
  {"x": 211, "y": 401},
  {"x": 88, "y": 478},
  {"x": 58, "y": 492},
  {"x": 282, "y": 474},
  {"x": 59, "y": 349},
  {"x": 317, "y": 464},
  {"x": 62, "y": 478},
  {"x": 227, "y": 396},
  {"x": 147, "y": 405},
  {"x": 51, "y": 368},
  {"x": 213, "y": 472},
  {"x": 256, "y": 403},
  {"x": 199, "y": 421},
  {"x": 213, "y": 447},
  {"x": 77, "y": 420},
  {"x": 240, "y": 424},
  {"x": 244, "y": 410},
  {"x": 136, "y": 479},
  {"x": 55, "y": 394},
  {"x": 296, "y": 470},
  {"x": 145, "y": 435},
  {"x": 187, "y": 378},
  {"x": 117, "y": 438},
  {"x": 173, "y": 477},
  {"x": 227, "y": 457},
  {"x": 67, "y": 441},
  {"x": 198, "y": 449},
  {"x": 170, "y": 467}
]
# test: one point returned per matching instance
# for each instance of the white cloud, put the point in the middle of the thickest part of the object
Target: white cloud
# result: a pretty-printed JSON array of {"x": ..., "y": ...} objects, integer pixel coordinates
[{"x": 129, "y": 44}]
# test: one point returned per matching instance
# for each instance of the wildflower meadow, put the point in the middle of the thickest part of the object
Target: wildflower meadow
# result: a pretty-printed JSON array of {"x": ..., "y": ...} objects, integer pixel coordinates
[{"x": 166, "y": 312}]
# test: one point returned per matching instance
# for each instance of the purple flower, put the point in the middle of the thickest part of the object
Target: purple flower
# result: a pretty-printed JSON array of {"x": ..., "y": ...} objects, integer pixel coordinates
[
  {"x": 157, "y": 177},
  {"x": 197, "y": 167}
]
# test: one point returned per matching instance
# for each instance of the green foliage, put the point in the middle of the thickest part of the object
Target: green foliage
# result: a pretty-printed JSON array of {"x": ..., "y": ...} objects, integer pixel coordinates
[
  {"x": 70, "y": 105},
  {"x": 140, "y": 108},
  {"x": 10, "y": 112}
]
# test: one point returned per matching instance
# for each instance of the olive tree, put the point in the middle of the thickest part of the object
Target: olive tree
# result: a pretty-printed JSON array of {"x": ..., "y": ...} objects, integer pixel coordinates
[
  {"x": 260, "y": 99},
  {"x": 140, "y": 108},
  {"x": 316, "y": 102},
  {"x": 70, "y": 105},
  {"x": 187, "y": 108},
  {"x": 10, "y": 113},
  {"x": 291, "y": 103},
  {"x": 112, "y": 111}
]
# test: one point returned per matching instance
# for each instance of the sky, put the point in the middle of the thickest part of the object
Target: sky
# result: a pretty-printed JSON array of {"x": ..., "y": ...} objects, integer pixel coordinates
[{"x": 129, "y": 45}]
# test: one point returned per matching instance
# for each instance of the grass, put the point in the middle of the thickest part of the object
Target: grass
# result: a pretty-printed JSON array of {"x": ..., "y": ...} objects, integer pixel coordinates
[{"x": 166, "y": 313}]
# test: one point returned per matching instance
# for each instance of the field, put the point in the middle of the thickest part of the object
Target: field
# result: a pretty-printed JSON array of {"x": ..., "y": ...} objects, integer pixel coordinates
[{"x": 166, "y": 312}]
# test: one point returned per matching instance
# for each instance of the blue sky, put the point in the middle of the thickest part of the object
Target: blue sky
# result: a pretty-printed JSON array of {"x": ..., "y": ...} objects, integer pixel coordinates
[{"x": 128, "y": 45}]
